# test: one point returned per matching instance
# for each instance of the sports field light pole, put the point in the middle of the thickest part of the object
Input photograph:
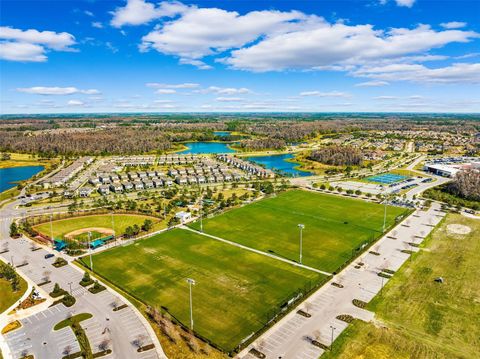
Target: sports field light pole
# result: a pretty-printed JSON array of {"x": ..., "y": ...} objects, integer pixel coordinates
[
  {"x": 190, "y": 283},
  {"x": 201, "y": 214},
  {"x": 301, "y": 226},
  {"x": 51, "y": 227},
  {"x": 331, "y": 341},
  {"x": 90, "y": 249},
  {"x": 113, "y": 228},
  {"x": 384, "y": 210}
]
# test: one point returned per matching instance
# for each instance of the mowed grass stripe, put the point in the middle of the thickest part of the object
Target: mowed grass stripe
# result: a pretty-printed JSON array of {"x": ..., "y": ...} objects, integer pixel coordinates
[
  {"x": 236, "y": 289},
  {"x": 334, "y": 226}
]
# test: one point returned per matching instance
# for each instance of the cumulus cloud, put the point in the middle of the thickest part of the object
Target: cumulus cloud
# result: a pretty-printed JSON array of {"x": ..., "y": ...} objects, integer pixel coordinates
[
  {"x": 185, "y": 85},
  {"x": 75, "y": 103},
  {"x": 372, "y": 84},
  {"x": 97, "y": 24},
  {"x": 42, "y": 90},
  {"x": 229, "y": 99},
  {"x": 324, "y": 94},
  {"x": 406, "y": 3},
  {"x": 225, "y": 90},
  {"x": 455, "y": 73},
  {"x": 138, "y": 12},
  {"x": 31, "y": 45},
  {"x": 340, "y": 44},
  {"x": 453, "y": 25},
  {"x": 165, "y": 91}
]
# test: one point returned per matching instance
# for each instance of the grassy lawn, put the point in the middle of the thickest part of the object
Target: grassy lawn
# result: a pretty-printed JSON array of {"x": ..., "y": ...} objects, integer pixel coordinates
[
  {"x": 235, "y": 292},
  {"x": 437, "y": 320},
  {"x": 122, "y": 221},
  {"x": 72, "y": 320},
  {"x": 7, "y": 297},
  {"x": 334, "y": 226}
]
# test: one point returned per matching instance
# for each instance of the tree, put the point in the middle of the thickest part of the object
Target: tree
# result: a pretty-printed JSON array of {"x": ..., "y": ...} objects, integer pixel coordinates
[
  {"x": 14, "y": 232},
  {"x": 147, "y": 225},
  {"x": 104, "y": 345}
]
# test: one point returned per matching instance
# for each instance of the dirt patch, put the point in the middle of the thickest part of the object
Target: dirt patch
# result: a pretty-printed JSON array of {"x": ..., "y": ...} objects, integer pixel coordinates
[
  {"x": 458, "y": 229},
  {"x": 106, "y": 231}
]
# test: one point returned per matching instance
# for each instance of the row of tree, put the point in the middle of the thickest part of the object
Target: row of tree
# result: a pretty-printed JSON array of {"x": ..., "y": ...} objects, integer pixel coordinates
[{"x": 338, "y": 156}]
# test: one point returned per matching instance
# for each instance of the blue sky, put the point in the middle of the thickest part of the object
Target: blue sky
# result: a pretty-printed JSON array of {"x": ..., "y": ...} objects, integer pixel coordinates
[{"x": 212, "y": 56}]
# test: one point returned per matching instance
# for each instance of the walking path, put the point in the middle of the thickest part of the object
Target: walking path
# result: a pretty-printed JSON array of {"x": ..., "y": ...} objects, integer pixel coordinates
[
  {"x": 292, "y": 336},
  {"x": 256, "y": 251}
]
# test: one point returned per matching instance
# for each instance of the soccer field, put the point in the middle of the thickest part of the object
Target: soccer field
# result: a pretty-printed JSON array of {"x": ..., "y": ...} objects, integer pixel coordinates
[
  {"x": 235, "y": 293},
  {"x": 334, "y": 226},
  {"x": 121, "y": 222}
]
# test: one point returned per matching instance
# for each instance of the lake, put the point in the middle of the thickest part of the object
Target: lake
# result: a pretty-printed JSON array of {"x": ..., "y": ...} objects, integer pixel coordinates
[
  {"x": 13, "y": 174},
  {"x": 278, "y": 163},
  {"x": 206, "y": 147}
]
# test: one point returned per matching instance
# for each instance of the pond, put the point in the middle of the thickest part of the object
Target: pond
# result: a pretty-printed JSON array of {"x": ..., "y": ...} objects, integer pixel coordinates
[
  {"x": 221, "y": 133},
  {"x": 206, "y": 147},
  {"x": 279, "y": 164},
  {"x": 10, "y": 175}
]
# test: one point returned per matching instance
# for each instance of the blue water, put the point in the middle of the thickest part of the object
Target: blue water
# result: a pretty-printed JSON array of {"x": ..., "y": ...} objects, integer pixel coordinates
[
  {"x": 206, "y": 147},
  {"x": 12, "y": 174},
  {"x": 279, "y": 164},
  {"x": 221, "y": 133}
]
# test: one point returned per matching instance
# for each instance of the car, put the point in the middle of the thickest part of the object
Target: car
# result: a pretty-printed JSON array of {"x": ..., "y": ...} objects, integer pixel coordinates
[{"x": 49, "y": 255}]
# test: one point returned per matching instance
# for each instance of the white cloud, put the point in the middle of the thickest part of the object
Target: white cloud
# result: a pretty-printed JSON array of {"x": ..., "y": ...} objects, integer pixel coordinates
[
  {"x": 42, "y": 90},
  {"x": 229, "y": 99},
  {"x": 31, "y": 45},
  {"x": 20, "y": 51},
  {"x": 324, "y": 94},
  {"x": 386, "y": 98},
  {"x": 453, "y": 25},
  {"x": 199, "y": 32},
  {"x": 197, "y": 63},
  {"x": 456, "y": 73},
  {"x": 88, "y": 13},
  {"x": 372, "y": 84},
  {"x": 340, "y": 45},
  {"x": 138, "y": 12},
  {"x": 97, "y": 24},
  {"x": 165, "y": 91},
  {"x": 75, "y": 103},
  {"x": 406, "y": 3},
  {"x": 185, "y": 85},
  {"x": 225, "y": 90}
]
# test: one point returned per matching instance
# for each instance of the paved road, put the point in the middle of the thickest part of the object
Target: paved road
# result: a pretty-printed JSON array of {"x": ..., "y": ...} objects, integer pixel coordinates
[
  {"x": 291, "y": 337},
  {"x": 121, "y": 328}
]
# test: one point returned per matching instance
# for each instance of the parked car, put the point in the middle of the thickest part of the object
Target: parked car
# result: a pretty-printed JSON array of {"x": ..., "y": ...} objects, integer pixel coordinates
[{"x": 49, "y": 255}]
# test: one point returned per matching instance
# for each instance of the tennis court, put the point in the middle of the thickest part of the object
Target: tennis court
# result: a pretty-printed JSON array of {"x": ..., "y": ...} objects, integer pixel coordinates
[{"x": 386, "y": 178}]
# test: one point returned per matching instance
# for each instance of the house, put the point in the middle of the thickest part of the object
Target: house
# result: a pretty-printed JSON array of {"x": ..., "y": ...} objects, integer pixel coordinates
[
  {"x": 127, "y": 185},
  {"x": 201, "y": 179},
  {"x": 211, "y": 178},
  {"x": 104, "y": 189},
  {"x": 148, "y": 184},
  {"x": 142, "y": 175},
  {"x": 158, "y": 182},
  {"x": 237, "y": 177},
  {"x": 68, "y": 194},
  {"x": 85, "y": 191},
  {"x": 94, "y": 181},
  {"x": 104, "y": 178},
  {"x": 123, "y": 177},
  {"x": 173, "y": 172},
  {"x": 138, "y": 185},
  {"x": 167, "y": 181},
  {"x": 181, "y": 180},
  {"x": 115, "y": 178},
  {"x": 133, "y": 176},
  {"x": 192, "y": 179},
  {"x": 227, "y": 177},
  {"x": 116, "y": 187},
  {"x": 183, "y": 216},
  {"x": 151, "y": 173}
]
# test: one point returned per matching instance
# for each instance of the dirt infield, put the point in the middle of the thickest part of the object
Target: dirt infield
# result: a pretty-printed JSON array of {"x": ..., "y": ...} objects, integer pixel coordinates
[
  {"x": 458, "y": 229},
  {"x": 106, "y": 231}
]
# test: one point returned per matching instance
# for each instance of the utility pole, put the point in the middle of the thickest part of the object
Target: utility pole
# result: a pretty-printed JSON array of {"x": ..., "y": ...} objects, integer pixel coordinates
[
  {"x": 190, "y": 283},
  {"x": 301, "y": 226}
]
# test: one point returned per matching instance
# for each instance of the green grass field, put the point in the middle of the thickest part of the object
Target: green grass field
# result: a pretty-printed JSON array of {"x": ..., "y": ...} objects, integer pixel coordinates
[
  {"x": 425, "y": 319},
  {"x": 236, "y": 289},
  {"x": 8, "y": 297},
  {"x": 334, "y": 226},
  {"x": 122, "y": 221}
]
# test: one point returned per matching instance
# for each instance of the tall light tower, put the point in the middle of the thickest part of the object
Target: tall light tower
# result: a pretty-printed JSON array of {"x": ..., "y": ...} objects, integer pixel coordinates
[
  {"x": 113, "y": 225},
  {"x": 384, "y": 209},
  {"x": 51, "y": 227},
  {"x": 301, "y": 226},
  {"x": 90, "y": 249},
  {"x": 191, "y": 282}
]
